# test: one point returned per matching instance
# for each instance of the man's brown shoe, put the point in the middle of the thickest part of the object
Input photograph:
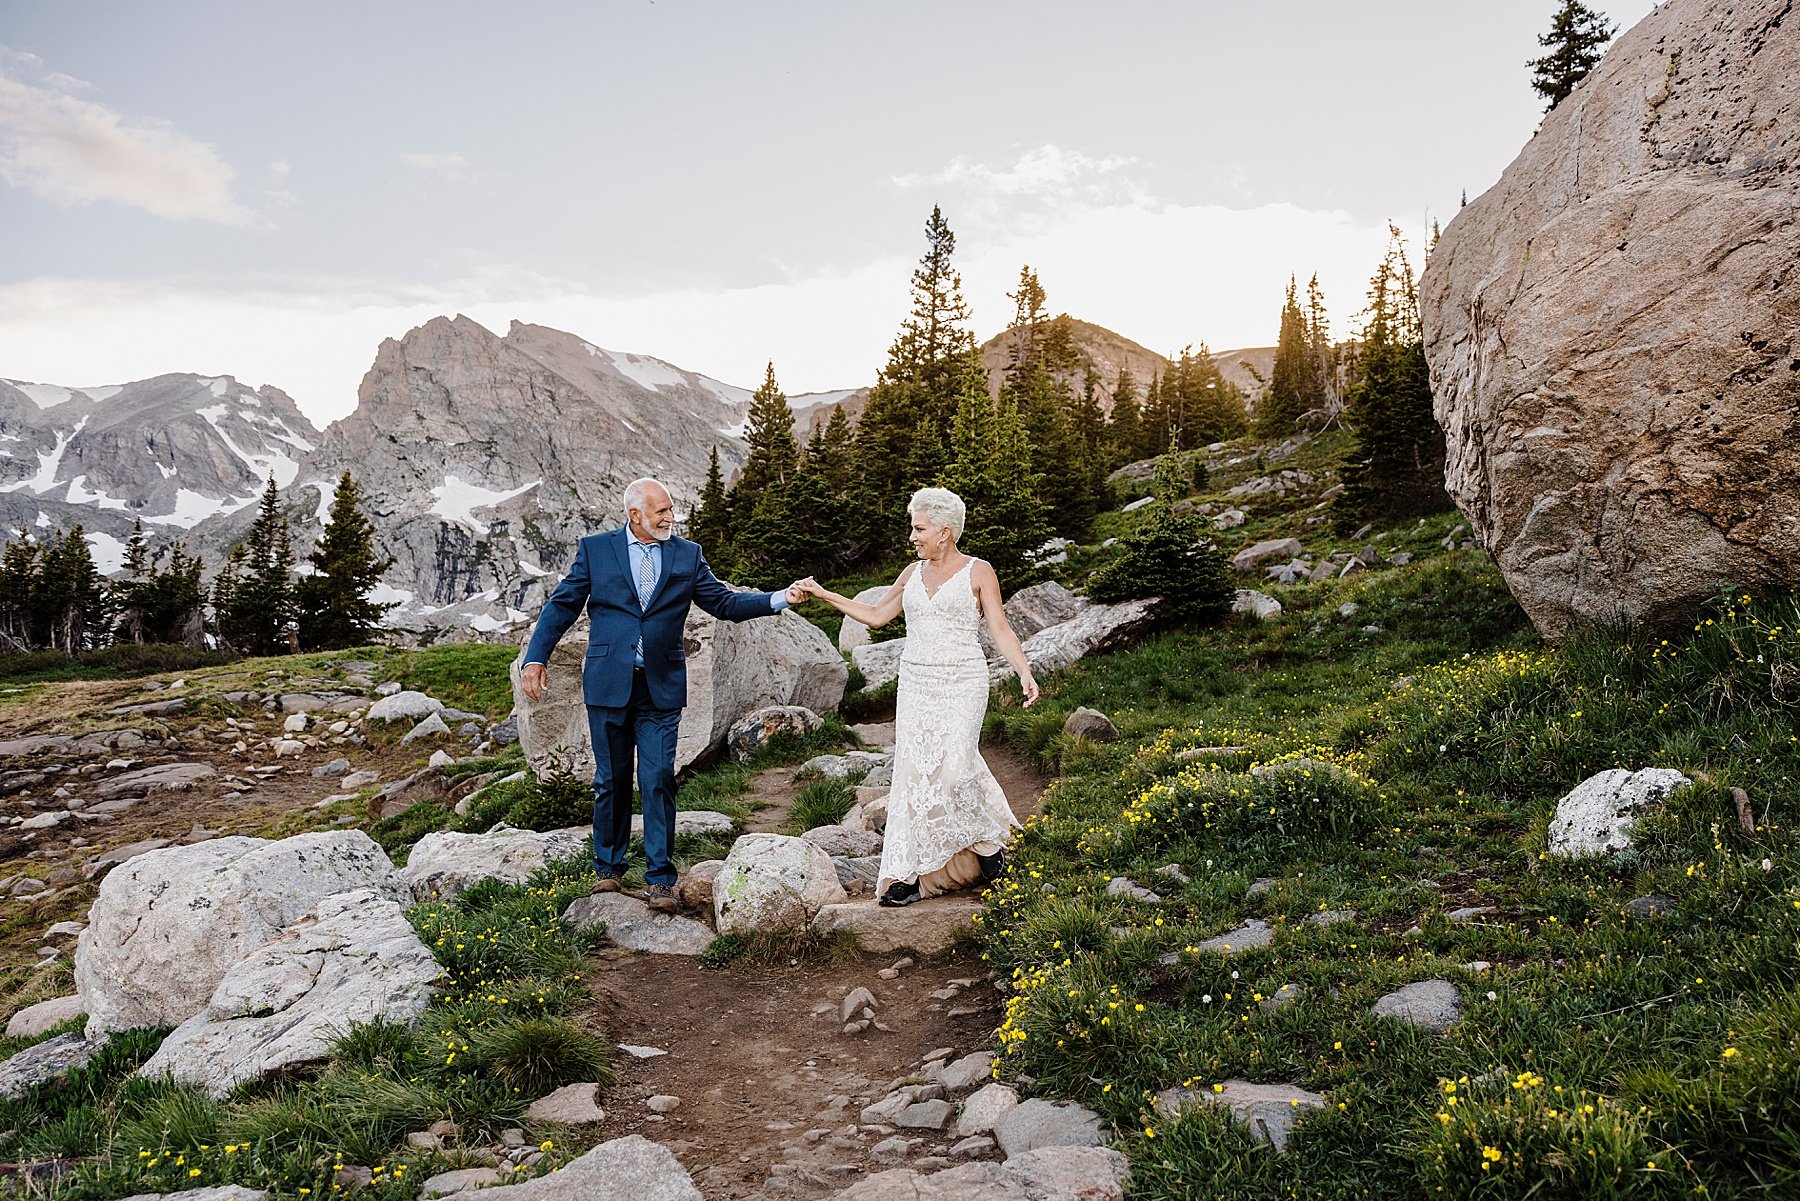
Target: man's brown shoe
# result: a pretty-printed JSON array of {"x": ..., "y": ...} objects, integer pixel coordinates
[
  {"x": 661, "y": 897},
  {"x": 606, "y": 884}
]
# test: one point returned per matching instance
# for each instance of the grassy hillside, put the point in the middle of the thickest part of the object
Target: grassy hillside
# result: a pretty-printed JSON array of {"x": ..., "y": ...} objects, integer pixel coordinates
[{"x": 1388, "y": 752}]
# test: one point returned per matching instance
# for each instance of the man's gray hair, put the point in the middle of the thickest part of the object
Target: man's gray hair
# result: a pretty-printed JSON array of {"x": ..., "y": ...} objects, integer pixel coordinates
[
  {"x": 634, "y": 494},
  {"x": 939, "y": 506}
]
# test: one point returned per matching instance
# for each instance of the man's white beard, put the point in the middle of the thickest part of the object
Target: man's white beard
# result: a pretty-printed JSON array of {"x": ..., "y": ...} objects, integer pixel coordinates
[{"x": 663, "y": 535}]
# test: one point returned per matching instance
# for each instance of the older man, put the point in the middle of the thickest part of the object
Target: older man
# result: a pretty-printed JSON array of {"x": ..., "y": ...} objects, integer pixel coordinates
[{"x": 637, "y": 583}]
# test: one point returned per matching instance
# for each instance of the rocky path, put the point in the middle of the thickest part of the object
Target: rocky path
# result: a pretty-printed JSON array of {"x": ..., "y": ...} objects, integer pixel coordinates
[{"x": 768, "y": 1090}]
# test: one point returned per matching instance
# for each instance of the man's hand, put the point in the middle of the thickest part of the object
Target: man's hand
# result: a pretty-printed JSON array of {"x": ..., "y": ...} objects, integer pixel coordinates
[
  {"x": 798, "y": 591},
  {"x": 534, "y": 679}
]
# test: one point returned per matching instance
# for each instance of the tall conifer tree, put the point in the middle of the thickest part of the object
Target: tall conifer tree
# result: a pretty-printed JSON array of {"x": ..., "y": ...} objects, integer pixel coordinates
[
  {"x": 1285, "y": 398},
  {"x": 333, "y": 602},
  {"x": 710, "y": 525},
  {"x": 991, "y": 469},
  {"x": 1124, "y": 427},
  {"x": 259, "y": 612},
  {"x": 915, "y": 396}
]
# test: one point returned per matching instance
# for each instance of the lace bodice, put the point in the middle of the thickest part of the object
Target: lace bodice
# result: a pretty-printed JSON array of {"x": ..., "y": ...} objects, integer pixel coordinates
[{"x": 942, "y": 627}]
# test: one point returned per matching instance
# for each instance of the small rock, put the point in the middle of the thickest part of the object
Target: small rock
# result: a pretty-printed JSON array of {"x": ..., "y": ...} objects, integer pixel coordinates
[
  {"x": 967, "y": 1071},
  {"x": 1249, "y": 936},
  {"x": 984, "y": 1108},
  {"x": 1330, "y": 917},
  {"x": 1090, "y": 724},
  {"x": 1431, "y": 1005},
  {"x": 570, "y": 1105},
  {"x": 1038, "y": 1123},
  {"x": 1647, "y": 907},
  {"x": 1284, "y": 996},
  {"x": 294, "y": 723},
  {"x": 337, "y": 767},
  {"x": 1173, "y": 871},
  {"x": 663, "y": 1103},
  {"x": 1467, "y": 913},
  {"x": 446, "y": 1183},
  {"x": 359, "y": 779},
  {"x": 1269, "y": 1110},
  {"x": 1119, "y": 886},
  {"x": 637, "y": 1052},
  {"x": 975, "y": 1144},
  {"x": 440, "y": 758},
  {"x": 431, "y": 727},
  {"x": 854, "y": 1003}
]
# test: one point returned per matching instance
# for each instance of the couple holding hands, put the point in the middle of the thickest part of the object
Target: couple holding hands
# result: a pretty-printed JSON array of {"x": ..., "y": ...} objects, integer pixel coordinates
[{"x": 948, "y": 821}]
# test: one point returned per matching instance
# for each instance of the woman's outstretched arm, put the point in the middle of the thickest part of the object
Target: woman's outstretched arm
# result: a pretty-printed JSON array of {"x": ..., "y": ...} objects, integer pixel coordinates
[{"x": 880, "y": 613}]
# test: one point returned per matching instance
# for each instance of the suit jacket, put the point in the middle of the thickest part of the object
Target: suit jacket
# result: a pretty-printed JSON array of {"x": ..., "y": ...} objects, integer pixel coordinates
[{"x": 601, "y": 579}]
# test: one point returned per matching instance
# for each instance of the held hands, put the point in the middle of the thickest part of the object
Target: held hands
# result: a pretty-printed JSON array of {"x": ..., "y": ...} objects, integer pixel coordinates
[
  {"x": 803, "y": 590},
  {"x": 533, "y": 680}
]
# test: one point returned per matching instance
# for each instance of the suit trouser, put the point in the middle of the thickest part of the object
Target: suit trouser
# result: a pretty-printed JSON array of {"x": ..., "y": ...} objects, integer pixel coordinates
[{"x": 652, "y": 732}]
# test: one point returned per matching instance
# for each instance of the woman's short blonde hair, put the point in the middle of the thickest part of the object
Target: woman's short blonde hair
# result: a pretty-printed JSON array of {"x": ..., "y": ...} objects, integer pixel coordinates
[{"x": 941, "y": 507}]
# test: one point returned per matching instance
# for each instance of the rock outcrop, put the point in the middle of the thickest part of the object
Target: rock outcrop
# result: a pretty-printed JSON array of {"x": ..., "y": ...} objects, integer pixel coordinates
[
  {"x": 733, "y": 669},
  {"x": 772, "y": 883},
  {"x": 445, "y": 865},
  {"x": 353, "y": 960},
  {"x": 167, "y": 925},
  {"x": 1614, "y": 335}
]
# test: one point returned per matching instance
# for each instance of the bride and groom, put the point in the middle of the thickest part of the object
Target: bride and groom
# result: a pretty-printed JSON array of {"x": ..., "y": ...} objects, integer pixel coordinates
[{"x": 948, "y": 821}]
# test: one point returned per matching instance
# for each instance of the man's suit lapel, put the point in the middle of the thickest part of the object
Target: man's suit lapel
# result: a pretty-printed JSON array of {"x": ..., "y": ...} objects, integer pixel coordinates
[{"x": 620, "y": 539}]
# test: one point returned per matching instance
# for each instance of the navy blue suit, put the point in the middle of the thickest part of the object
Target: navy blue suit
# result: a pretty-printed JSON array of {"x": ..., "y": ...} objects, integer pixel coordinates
[{"x": 627, "y": 706}]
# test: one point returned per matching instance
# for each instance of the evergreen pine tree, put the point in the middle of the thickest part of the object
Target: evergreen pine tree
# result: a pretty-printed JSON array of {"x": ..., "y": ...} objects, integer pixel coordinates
[
  {"x": 1285, "y": 399},
  {"x": 1202, "y": 405},
  {"x": 71, "y": 596},
  {"x": 19, "y": 564},
  {"x": 332, "y": 603},
  {"x": 915, "y": 396},
  {"x": 1158, "y": 422},
  {"x": 1321, "y": 357},
  {"x": 1396, "y": 465},
  {"x": 711, "y": 524},
  {"x": 990, "y": 467},
  {"x": 1063, "y": 463},
  {"x": 1169, "y": 556},
  {"x": 174, "y": 604},
  {"x": 259, "y": 611},
  {"x": 1124, "y": 427},
  {"x": 130, "y": 593},
  {"x": 1576, "y": 41},
  {"x": 774, "y": 453}
]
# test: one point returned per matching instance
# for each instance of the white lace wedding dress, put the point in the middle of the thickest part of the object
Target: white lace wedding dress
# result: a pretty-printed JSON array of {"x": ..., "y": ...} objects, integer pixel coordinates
[{"x": 945, "y": 806}]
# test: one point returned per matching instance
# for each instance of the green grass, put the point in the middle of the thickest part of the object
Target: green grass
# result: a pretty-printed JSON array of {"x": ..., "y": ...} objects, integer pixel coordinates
[
  {"x": 472, "y": 676},
  {"x": 1599, "y": 1056},
  {"x": 125, "y": 660},
  {"x": 821, "y": 803}
]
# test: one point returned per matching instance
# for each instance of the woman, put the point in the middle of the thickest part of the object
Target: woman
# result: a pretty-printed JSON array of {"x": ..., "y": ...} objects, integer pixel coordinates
[{"x": 948, "y": 821}]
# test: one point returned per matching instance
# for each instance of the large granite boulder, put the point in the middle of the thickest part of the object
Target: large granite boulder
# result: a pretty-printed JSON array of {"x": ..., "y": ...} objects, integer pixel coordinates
[
  {"x": 1048, "y": 1174},
  {"x": 773, "y": 883},
  {"x": 43, "y": 1062},
  {"x": 733, "y": 669},
  {"x": 168, "y": 924},
  {"x": 1093, "y": 629},
  {"x": 929, "y": 927},
  {"x": 632, "y": 1167},
  {"x": 446, "y": 865},
  {"x": 1613, "y": 351},
  {"x": 353, "y": 960}
]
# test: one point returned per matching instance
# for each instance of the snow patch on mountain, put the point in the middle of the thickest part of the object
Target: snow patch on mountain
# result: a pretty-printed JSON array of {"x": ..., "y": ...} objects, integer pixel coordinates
[{"x": 456, "y": 499}]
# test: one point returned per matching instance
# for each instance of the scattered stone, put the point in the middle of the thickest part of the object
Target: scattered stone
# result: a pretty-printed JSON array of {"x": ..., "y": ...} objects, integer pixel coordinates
[
  {"x": 1648, "y": 907},
  {"x": 1050, "y": 1174},
  {"x": 888, "y": 1150},
  {"x": 1095, "y": 628},
  {"x": 431, "y": 727},
  {"x": 631, "y": 924},
  {"x": 855, "y": 1002},
  {"x": 358, "y": 779},
  {"x": 169, "y": 708},
  {"x": 354, "y": 960},
  {"x": 1252, "y": 557},
  {"x": 695, "y": 887},
  {"x": 1432, "y": 1005},
  {"x": 396, "y": 705},
  {"x": 45, "y": 821},
  {"x": 461, "y": 1180},
  {"x": 1597, "y": 816},
  {"x": 441, "y": 758},
  {"x": 34, "y": 1020},
  {"x": 46, "y": 1061},
  {"x": 1249, "y": 936},
  {"x": 1230, "y": 519},
  {"x": 337, "y": 767},
  {"x": 984, "y": 1108},
  {"x": 1259, "y": 604},
  {"x": 223, "y": 1192},
  {"x": 967, "y": 1071},
  {"x": 754, "y": 732},
  {"x": 1039, "y": 1123},
  {"x": 1330, "y": 917},
  {"x": 771, "y": 882},
  {"x": 1467, "y": 913},
  {"x": 570, "y": 1105},
  {"x": 1173, "y": 871},
  {"x": 662, "y": 1103},
  {"x": 1269, "y": 1110},
  {"x": 975, "y": 1144},
  {"x": 925, "y": 1115},
  {"x": 288, "y": 748},
  {"x": 928, "y": 927},
  {"x": 166, "y": 777},
  {"x": 446, "y": 864},
  {"x": 1090, "y": 724},
  {"x": 637, "y": 1052},
  {"x": 687, "y": 821},
  {"x": 1282, "y": 997},
  {"x": 294, "y": 723},
  {"x": 1119, "y": 886}
]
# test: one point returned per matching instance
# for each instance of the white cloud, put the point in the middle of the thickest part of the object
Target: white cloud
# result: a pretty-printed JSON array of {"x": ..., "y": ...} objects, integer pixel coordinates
[
  {"x": 450, "y": 164},
  {"x": 1040, "y": 184},
  {"x": 72, "y": 151}
]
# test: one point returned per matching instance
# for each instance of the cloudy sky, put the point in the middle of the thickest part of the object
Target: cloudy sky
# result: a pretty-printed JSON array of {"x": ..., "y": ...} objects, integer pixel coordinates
[{"x": 269, "y": 189}]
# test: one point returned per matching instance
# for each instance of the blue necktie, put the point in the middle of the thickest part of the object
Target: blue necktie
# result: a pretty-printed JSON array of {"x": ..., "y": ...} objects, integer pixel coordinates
[{"x": 646, "y": 585}]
